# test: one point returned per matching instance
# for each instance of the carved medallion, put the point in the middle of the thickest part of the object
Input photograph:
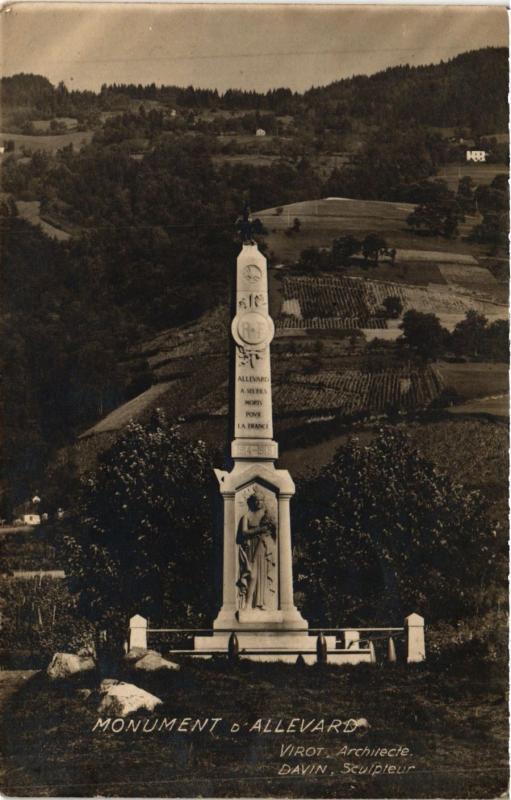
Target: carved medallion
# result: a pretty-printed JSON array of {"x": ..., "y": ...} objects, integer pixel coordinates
[
  {"x": 252, "y": 273},
  {"x": 253, "y": 328}
]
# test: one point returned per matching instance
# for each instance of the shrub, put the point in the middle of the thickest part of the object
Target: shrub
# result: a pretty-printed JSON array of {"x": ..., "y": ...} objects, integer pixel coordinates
[
  {"x": 40, "y": 617},
  {"x": 384, "y": 533},
  {"x": 143, "y": 542}
]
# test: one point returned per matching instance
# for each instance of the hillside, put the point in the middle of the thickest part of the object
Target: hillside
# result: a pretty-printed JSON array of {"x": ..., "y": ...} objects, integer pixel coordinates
[
  {"x": 324, "y": 219},
  {"x": 326, "y": 385},
  {"x": 118, "y": 212},
  {"x": 445, "y": 89}
]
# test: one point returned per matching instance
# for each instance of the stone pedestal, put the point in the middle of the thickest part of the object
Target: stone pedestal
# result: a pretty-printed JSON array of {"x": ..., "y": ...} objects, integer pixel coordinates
[{"x": 277, "y": 488}]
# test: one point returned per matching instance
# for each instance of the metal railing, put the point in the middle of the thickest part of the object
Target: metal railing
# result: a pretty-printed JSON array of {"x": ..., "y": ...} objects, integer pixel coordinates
[{"x": 412, "y": 631}]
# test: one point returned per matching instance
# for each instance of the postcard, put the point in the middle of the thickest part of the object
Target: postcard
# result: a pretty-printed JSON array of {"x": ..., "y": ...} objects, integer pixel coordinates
[{"x": 254, "y": 492}]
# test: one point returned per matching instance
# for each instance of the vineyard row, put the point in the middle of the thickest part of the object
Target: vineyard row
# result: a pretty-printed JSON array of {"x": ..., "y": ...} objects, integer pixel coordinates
[
  {"x": 361, "y": 300},
  {"x": 354, "y": 391}
]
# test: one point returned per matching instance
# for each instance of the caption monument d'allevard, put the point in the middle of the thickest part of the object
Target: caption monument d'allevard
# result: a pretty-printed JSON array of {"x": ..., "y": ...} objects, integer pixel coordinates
[{"x": 254, "y": 496}]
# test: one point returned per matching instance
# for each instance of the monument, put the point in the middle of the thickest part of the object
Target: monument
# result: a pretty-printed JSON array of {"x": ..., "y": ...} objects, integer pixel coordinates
[{"x": 257, "y": 597}]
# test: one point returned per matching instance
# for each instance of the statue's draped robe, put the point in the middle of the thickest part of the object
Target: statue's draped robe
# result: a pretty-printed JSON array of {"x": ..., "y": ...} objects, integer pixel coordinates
[{"x": 257, "y": 556}]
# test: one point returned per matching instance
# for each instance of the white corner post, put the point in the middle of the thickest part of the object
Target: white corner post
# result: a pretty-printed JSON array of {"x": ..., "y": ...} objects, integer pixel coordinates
[
  {"x": 415, "y": 640},
  {"x": 138, "y": 632}
]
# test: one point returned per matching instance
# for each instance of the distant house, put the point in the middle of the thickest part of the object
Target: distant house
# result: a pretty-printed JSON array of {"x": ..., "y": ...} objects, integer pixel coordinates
[
  {"x": 476, "y": 155},
  {"x": 31, "y": 519},
  {"x": 260, "y": 132}
]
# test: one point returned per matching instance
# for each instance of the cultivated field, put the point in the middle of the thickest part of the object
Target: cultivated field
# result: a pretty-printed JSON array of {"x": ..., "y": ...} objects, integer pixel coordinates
[
  {"x": 353, "y": 391},
  {"x": 344, "y": 303},
  {"x": 477, "y": 278}
]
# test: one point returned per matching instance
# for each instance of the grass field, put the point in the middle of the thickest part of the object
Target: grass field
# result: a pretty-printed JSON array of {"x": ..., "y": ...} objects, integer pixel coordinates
[
  {"x": 475, "y": 379},
  {"x": 43, "y": 125},
  {"x": 480, "y": 173},
  {"x": 323, "y": 220},
  {"x": 30, "y": 210},
  {"x": 451, "y": 717},
  {"x": 497, "y": 406},
  {"x": 49, "y": 144},
  {"x": 252, "y": 159}
]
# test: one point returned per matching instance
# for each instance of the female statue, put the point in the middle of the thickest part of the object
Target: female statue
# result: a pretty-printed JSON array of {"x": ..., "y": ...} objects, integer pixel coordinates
[{"x": 256, "y": 539}]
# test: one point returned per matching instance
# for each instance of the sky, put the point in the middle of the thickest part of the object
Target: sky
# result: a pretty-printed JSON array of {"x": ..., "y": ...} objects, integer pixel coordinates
[{"x": 234, "y": 46}]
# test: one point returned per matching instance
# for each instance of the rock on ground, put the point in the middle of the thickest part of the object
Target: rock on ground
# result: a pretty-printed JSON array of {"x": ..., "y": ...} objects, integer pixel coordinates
[
  {"x": 136, "y": 653},
  {"x": 63, "y": 665},
  {"x": 152, "y": 662},
  {"x": 120, "y": 699}
]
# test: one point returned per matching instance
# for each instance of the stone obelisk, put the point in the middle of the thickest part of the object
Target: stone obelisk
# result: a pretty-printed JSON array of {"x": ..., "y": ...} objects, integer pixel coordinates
[{"x": 257, "y": 596}]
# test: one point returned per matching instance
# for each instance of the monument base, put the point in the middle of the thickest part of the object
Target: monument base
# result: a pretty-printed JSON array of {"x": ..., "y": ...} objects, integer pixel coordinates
[
  {"x": 267, "y": 645},
  {"x": 255, "y": 619}
]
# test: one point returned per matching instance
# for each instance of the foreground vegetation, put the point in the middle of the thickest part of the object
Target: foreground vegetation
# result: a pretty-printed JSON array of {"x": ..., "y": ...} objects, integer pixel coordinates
[{"x": 449, "y": 712}]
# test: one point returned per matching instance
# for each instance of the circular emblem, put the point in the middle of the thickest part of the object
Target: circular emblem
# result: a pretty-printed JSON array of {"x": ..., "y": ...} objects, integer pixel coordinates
[
  {"x": 253, "y": 328},
  {"x": 252, "y": 273}
]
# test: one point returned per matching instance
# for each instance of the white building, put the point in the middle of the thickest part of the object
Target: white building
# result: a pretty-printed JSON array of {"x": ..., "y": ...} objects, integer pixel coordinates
[
  {"x": 31, "y": 519},
  {"x": 260, "y": 132},
  {"x": 476, "y": 155}
]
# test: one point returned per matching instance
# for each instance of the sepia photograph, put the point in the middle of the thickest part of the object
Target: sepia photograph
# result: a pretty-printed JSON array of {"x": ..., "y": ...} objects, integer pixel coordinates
[{"x": 254, "y": 366}]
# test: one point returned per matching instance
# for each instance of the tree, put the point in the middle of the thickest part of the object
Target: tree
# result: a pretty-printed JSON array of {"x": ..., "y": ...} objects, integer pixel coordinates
[
  {"x": 393, "y": 306},
  {"x": 469, "y": 335},
  {"x": 465, "y": 196},
  {"x": 436, "y": 219},
  {"x": 296, "y": 225},
  {"x": 394, "y": 157},
  {"x": 423, "y": 333},
  {"x": 312, "y": 259},
  {"x": 343, "y": 248},
  {"x": 496, "y": 346},
  {"x": 142, "y": 542},
  {"x": 385, "y": 533},
  {"x": 8, "y": 207},
  {"x": 493, "y": 230},
  {"x": 372, "y": 245}
]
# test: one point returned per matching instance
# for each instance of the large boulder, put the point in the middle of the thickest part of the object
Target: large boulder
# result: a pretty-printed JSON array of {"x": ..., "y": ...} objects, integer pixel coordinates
[
  {"x": 152, "y": 662},
  {"x": 63, "y": 665},
  {"x": 118, "y": 699}
]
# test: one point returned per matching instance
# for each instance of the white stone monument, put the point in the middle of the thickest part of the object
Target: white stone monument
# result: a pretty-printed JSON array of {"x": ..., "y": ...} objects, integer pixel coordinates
[{"x": 258, "y": 602}]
